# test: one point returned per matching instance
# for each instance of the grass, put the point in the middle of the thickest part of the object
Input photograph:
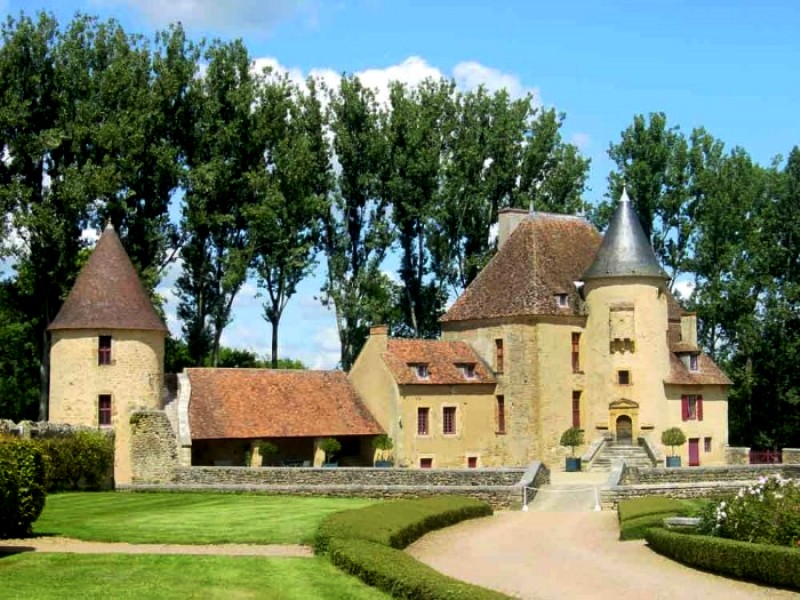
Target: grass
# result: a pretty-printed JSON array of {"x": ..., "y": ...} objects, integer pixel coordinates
[
  {"x": 188, "y": 518},
  {"x": 637, "y": 515},
  {"x": 106, "y": 576}
]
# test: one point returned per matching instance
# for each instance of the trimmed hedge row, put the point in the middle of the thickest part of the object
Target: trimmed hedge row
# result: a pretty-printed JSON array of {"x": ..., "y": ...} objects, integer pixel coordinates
[
  {"x": 399, "y": 574},
  {"x": 650, "y": 505},
  {"x": 367, "y": 543},
  {"x": 22, "y": 490},
  {"x": 635, "y": 529},
  {"x": 772, "y": 565},
  {"x": 397, "y": 524}
]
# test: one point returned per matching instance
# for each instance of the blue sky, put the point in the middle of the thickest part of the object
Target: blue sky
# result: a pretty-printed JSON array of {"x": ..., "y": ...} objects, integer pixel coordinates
[{"x": 729, "y": 66}]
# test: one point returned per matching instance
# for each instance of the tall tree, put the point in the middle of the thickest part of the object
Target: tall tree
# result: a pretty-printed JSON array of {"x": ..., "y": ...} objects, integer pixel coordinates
[
  {"x": 356, "y": 232},
  {"x": 292, "y": 186}
]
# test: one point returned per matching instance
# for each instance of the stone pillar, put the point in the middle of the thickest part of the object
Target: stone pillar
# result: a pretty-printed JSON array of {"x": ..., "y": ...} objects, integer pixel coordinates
[
  {"x": 255, "y": 453},
  {"x": 791, "y": 456},
  {"x": 737, "y": 456},
  {"x": 319, "y": 453}
]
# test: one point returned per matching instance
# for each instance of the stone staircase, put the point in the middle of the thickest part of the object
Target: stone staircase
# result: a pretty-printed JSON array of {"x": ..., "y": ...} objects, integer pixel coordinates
[{"x": 615, "y": 453}]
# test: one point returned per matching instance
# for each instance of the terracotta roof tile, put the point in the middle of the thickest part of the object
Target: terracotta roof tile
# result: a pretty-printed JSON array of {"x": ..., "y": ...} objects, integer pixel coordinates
[
  {"x": 544, "y": 256},
  {"x": 442, "y": 358},
  {"x": 259, "y": 403},
  {"x": 708, "y": 373},
  {"x": 107, "y": 293}
]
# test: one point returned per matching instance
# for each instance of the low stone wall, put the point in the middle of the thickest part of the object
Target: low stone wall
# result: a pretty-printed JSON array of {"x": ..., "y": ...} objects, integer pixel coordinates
[
  {"x": 791, "y": 456},
  {"x": 365, "y": 476},
  {"x": 154, "y": 453},
  {"x": 611, "y": 496},
  {"x": 632, "y": 475},
  {"x": 737, "y": 456},
  {"x": 42, "y": 429}
]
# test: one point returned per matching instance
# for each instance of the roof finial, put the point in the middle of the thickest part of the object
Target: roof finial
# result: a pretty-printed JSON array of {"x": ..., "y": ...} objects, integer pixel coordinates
[{"x": 624, "y": 197}]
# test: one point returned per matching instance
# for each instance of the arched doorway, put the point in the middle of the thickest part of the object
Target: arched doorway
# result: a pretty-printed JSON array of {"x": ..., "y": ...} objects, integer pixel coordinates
[{"x": 624, "y": 430}]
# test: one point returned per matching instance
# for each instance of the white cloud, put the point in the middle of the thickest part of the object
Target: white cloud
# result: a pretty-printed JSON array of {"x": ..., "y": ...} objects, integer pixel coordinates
[
  {"x": 230, "y": 15},
  {"x": 581, "y": 140},
  {"x": 471, "y": 74},
  {"x": 684, "y": 288}
]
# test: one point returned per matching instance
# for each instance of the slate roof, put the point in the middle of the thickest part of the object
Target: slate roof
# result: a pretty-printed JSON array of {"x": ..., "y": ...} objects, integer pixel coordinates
[
  {"x": 543, "y": 257},
  {"x": 108, "y": 293},
  {"x": 707, "y": 372},
  {"x": 442, "y": 359},
  {"x": 261, "y": 403}
]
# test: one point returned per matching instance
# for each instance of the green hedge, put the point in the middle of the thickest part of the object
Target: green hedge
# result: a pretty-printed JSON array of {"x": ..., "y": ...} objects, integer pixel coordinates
[
  {"x": 367, "y": 543},
  {"x": 399, "y": 574},
  {"x": 22, "y": 491},
  {"x": 650, "y": 505},
  {"x": 635, "y": 529},
  {"x": 399, "y": 523},
  {"x": 80, "y": 460},
  {"x": 772, "y": 565}
]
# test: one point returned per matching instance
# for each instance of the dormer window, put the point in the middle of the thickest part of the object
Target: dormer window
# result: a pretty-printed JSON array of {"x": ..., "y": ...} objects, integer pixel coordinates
[
  {"x": 562, "y": 300},
  {"x": 693, "y": 366},
  {"x": 468, "y": 370},
  {"x": 421, "y": 370},
  {"x": 104, "y": 350}
]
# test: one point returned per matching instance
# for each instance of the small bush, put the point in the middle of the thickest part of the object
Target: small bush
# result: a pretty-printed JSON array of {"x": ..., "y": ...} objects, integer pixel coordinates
[
  {"x": 762, "y": 563},
  {"x": 397, "y": 524},
  {"x": 81, "y": 460},
  {"x": 22, "y": 490},
  {"x": 635, "y": 529},
  {"x": 650, "y": 505},
  {"x": 399, "y": 574}
]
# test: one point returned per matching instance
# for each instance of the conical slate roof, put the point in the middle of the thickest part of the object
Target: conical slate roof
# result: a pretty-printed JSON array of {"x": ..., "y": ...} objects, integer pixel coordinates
[
  {"x": 625, "y": 251},
  {"x": 108, "y": 293}
]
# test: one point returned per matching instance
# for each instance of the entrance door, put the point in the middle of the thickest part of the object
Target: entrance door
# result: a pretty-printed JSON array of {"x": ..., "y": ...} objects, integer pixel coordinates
[
  {"x": 624, "y": 430},
  {"x": 694, "y": 452}
]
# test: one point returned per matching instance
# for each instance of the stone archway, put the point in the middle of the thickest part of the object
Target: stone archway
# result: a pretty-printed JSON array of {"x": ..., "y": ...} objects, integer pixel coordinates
[{"x": 624, "y": 430}]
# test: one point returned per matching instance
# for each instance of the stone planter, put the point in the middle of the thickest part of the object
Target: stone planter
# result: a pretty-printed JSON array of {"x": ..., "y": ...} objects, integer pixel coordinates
[
  {"x": 673, "y": 461},
  {"x": 573, "y": 464}
]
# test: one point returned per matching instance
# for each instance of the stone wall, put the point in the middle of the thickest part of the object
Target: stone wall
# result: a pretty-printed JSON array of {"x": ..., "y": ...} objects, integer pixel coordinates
[
  {"x": 154, "y": 453},
  {"x": 737, "y": 456},
  {"x": 43, "y": 429},
  {"x": 791, "y": 456},
  {"x": 632, "y": 475}
]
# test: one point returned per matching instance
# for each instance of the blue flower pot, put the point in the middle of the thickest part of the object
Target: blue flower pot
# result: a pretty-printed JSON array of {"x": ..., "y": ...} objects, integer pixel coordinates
[
  {"x": 673, "y": 461},
  {"x": 573, "y": 464}
]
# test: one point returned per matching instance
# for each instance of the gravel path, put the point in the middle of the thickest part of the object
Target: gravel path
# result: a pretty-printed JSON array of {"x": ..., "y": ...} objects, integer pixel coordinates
[
  {"x": 60, "y": 544},
  {"x": 559, "y": 555}
]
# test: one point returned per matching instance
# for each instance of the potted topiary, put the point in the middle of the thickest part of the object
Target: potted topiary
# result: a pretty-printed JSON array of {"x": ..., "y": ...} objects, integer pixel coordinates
[
  {"x": 330, "y": 446},
  {"x": 383, "y": 444},
  {"x": 572, "y": 438},
  {"x": 673, "y": 437},
  {"x": 268, "y": 451}
]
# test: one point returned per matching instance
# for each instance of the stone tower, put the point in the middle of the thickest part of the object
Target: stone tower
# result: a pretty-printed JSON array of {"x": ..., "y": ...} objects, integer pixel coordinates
[
  {"x": 107, "y": 350},
  {"x": 626, "y": 353}
]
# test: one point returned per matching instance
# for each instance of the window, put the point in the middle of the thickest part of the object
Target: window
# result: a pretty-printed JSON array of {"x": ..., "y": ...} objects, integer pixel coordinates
[
  {"x": 421, "y": 370},
  {"x": 449, "y": 420},
  {"x": 576, "y": 352},
  {"x": 501, "y": 414},
  {"x": 562, "y": 300},
  {"x": 468, "y": 370},
  {"x": 576, "y": 409},
  {"x": 692, "y": 407},
  {"x": 707, "y": 444},
  {"x": 104, "y": 409},
  {"x": 104, "y": 350},
  {"x": 425, "y": 463},
  {"x": 423, "y": 420},
  {"x": 624, "y": 377},
  {"x": 472, "y": 462},
  {"x": 498, "y": 356},
  {"x": 693, "y": 362}
]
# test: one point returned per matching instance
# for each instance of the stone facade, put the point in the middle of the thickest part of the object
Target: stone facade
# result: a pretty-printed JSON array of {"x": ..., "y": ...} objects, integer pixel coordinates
[{"x": 154, "y": 454}]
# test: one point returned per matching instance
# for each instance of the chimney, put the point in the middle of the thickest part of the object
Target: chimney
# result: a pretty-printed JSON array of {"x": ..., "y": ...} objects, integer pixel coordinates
[
  {"x": 380, "y": 333},
  {"x": 689, "y": 328},
  {"x": 508, "y": 220}
]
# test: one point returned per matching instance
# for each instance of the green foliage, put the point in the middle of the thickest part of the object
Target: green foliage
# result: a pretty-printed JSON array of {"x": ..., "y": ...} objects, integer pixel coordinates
[
  {"x": 769, "y": 565},
  {"x": 330, "y": 446},
  {"x": 399, "y": 574},
  {"x": 80, "y": 460},
  {"x": 22, "y": 490},
  {"x": 382, "y": 442},
  {"x": 572, "y": 438},
  {"x": 650, "y": 505},
  {"x": 267, "y": 450},
  {"x": 673, "y": 437},
  {"x": 766, "y": 512},
  {"x": 399, "y": 523}
]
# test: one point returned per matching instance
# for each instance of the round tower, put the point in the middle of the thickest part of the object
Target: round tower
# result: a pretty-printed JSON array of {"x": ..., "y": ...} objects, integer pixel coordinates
[
  {"x": 107, "y": 349},
  {"x": 627, "y": 357}
]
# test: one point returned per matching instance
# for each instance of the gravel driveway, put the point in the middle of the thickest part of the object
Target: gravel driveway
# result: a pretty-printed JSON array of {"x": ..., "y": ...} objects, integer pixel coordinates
[{"x": 561, "y": 555}]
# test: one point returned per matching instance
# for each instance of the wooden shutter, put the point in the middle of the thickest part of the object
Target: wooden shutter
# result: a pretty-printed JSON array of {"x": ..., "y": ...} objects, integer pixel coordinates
[
  {"x": 685, "y": 407},
  {"x": 699, "y": 407}
]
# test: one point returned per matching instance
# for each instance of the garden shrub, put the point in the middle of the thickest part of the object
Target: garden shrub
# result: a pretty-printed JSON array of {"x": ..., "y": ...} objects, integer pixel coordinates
[
  {"x": 634, "y": 529},
  {"x": 399, "y": 574},
  {"x": 762, "y": 563},
  {"x": 767, "y": 512},
  {"x": 80, "y": 460},
  {"x": 399, "y": 523},
  {"x": 650, "y": 505},
  {"x": 22, "y": 490}
]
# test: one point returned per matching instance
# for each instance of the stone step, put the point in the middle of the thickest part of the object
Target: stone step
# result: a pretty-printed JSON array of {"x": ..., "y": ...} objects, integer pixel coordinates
[{"x": 611, "y": 454}]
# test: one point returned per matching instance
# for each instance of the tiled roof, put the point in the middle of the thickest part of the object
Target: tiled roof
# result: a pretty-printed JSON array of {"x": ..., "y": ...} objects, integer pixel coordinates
[
  {"x": 107, "y": 293},
  {"x": 442, "y": 358},
  {"x": 544, "y": 256},
  {"x": 259, "y": 403},
  {"x": 708, "y": 373}
]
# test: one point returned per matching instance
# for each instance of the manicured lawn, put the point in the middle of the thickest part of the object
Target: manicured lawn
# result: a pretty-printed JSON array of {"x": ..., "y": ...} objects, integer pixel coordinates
[
  {"x": 188, "y": 518},
  {"x": 110, "y": 576},
  {"x": 637, "y": 515}
]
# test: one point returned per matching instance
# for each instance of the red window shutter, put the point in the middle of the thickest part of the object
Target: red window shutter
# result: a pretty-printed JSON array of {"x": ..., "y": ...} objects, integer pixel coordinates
[
  {"x": 685, "y": 408},
  {"x": 699, "y": 408}
]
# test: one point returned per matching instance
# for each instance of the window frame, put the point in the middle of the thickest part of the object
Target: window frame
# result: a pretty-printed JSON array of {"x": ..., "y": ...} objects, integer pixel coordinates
[
  {"x": 692, "y": 407},
  {"x": 421, "y": 370},
  {"x": 500, "y": 414},
  {"x": 562, "y": 300},
  {"x": 499, "y": 355},
  {"x": 576, "y": 408},
  {"x": 576, "y": 351},
  {"x": 425, "y": 462},
  {"x": 468, "y": 370},
  {"x": 104, "y": 355},
  {"x": 624, "y": 374},
  {"x": 472, "y": 462},
  {"x": 449, "y": 420},
  {"x": 104, "y": 413},
  {"x": 707, "y": 444},
  {"x": 423, "y": 418},
  {"x": 694, "y": 363}
]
